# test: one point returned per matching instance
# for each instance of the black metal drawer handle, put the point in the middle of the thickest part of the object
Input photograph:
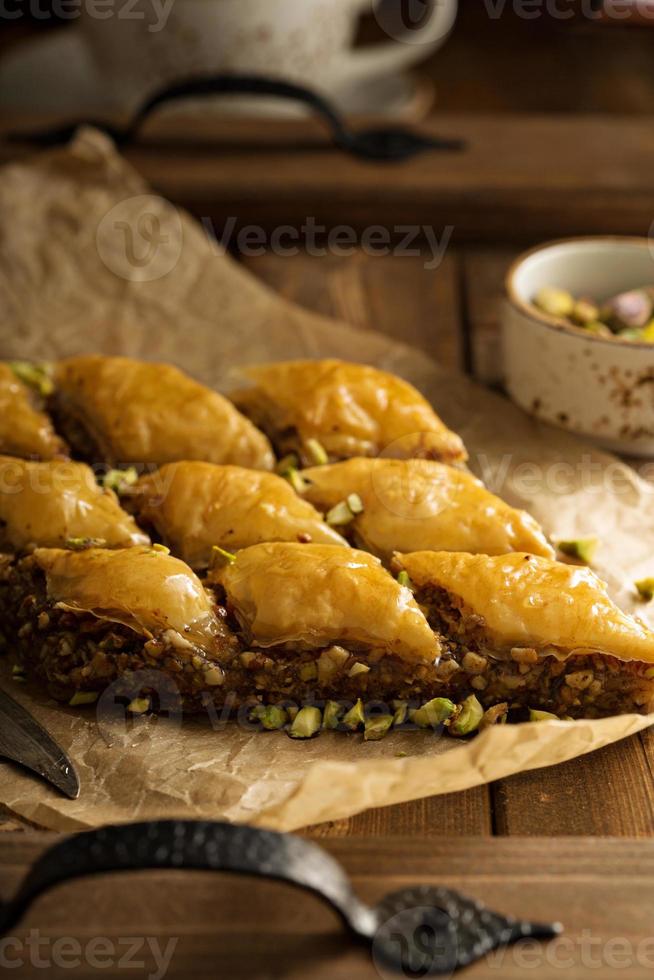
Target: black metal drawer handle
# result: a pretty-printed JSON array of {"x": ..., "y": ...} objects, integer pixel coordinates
[
  {"x": 390, "y": 143},
  {"x": 430, "y": 929}
]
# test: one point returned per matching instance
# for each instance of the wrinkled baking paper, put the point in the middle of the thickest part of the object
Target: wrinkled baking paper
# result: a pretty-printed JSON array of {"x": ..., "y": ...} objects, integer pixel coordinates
[{"x": 79, "y": 230}]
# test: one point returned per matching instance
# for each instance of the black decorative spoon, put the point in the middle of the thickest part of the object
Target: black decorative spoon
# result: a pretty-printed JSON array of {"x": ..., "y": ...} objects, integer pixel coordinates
[
  {"x": 390, "y": 143},
  {"x": 425, "y": 930}
]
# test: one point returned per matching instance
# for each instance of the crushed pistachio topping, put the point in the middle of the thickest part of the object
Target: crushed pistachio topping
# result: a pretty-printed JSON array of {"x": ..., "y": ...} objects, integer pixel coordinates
[
  {"x": 222, "y": 557},
  {"x": 645, "y": 588},
  {"x": 377, "y": 727},
  {"x": 332, "y": 715},
  {"x": 433, "y": 713},
  {"x": 581, "y": 549},
  {"x": 83, "y": 697},
  {"x": 286, "y": 463},
  {"x": 404, "y": 579},
  {"x": 138, "y": 706},
  {"x": 80, "y": 544},
  {"x": 119, "y": 480},
  {"x": 358, "y": 668},
  {"x": 401, "y": 711},
  {"x": 355, "y": 717},
  {"x": 161, "y": 548},
  {"x": 468, "y": 717},
  {"x": 306, "y": 723},
  {"x": 272, "y": 717},
  {"x": 296, "y": 480},
  {"x": 345, "y": 511},
  {"x": 37, "y": 376},
  {"x": 316, "y": 452}
]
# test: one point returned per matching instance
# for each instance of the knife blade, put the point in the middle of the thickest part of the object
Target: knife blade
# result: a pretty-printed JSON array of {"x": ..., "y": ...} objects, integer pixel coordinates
[{"x": 24, "y": 740}]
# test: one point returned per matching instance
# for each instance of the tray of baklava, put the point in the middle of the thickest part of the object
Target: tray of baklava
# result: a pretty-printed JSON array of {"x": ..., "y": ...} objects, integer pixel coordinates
[{"x": 308, "y": 552}]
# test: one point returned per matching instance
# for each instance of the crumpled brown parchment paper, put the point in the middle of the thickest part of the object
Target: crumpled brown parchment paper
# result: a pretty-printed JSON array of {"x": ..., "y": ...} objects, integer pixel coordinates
[{"x": 90, "y": 259}]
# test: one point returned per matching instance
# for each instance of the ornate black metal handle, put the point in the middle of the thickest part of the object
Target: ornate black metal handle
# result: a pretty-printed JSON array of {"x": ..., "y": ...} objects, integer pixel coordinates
[
  {"x": 387, "y": 143},
  {"x": 433, "y": 930}
]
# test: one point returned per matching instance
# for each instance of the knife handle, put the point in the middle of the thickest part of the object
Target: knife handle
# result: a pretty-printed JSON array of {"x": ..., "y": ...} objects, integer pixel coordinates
[{"x": 432, "y": 930}]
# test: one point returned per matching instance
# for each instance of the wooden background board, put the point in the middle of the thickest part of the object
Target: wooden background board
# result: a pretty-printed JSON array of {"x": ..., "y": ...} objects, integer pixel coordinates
[{"x": 231, "y": 927}]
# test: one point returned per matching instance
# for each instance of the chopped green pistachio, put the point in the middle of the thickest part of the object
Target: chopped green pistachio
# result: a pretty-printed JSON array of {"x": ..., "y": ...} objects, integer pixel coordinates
[
  {"x": 296, "y": 480},
  {"x": 332, "y": 715},
  {"x": 80, "y": 544},
  {"x": 401, "y": 709},
  {"x": 117, "y": 480},
  {"x": 161, "y": 547},
  {"x": 292, "y": 711},
  {"x": 355, "y": 503},
  {"x": 645, "y": 588},
  {"x": 316, "y": 452},
  {"x": 404, "y": 579},
  {"x": 597, "y": 327},
  {"x": 340, "y": 515},
  {"x": 306, "y": 723},
  {"x": 495, "y": 715},
  {"x": 358, "y": 668},
  {"x": 286, "y": 463},
  {"x": 377, "y": 727},
  {"x": 649, "y": 673},
  {"x": 536, "y": 715},
  {"x": 138, "y": 706},
  {"x": 468, "y": 718},
  {"x": 37, "y": 376},
  {"x": 584, "y": 311},
  {"x": 220, "y": 556},
  {"x": 583, "y": 549},
  {"x": 18, "y": 672},
  {"x": 83, "y": 697},
  {"x": 308, "y": 671},
  {"x": 354, "y": 717},
  {"x": 271, "y": 716},
  {"x": 556, "y": 302},
  {"x": 433, "y": 713}
]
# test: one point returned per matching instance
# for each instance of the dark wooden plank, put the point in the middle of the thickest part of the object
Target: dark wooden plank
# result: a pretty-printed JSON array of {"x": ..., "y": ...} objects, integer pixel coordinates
[
  {"x": 484, "y": 270},
  {"x": 453, "y": 815},
  {"x": 600, "y": 890},
  {"x": 509, "y": 185},
  {"x": 394, "y": 294},
  {"x": 607, "y": 793}
]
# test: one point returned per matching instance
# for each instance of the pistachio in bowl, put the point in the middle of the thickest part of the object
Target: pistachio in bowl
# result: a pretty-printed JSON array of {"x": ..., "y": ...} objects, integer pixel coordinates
[
  {"x": 578, "y": 338},
  {"x": 628, "y": 315}
]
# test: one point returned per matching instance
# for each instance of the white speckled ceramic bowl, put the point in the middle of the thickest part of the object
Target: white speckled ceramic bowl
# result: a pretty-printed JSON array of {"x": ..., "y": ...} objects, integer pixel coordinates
[{"x": 601, "y": 387}]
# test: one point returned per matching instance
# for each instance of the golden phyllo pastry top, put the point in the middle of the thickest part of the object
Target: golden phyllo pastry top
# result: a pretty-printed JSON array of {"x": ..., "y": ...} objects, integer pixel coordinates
[
  {"x": 136, "y": 412},
  {"x": 194, "y": 505},
  {"x": 417, "y": 504},
  {"x": 310, "y": 596},
  {"x": 525, "y": 600},
  {"x": 25, "y": 430},
  {"x": 49, "y": 503},
  {"x": 143, "y": 588},
  {"x": 349, "y": 409}
]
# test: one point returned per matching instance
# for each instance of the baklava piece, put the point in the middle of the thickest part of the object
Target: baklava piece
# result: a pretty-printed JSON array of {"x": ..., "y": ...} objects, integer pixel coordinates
[
  {"x": 387, "y": 505},
  {"x": 336, "y": 410},
  {"x": 317, "y": 622},
  {"x": 126, "y": 412},
  {"x": 82, "y": 620},
  {"x": 58, "y": 504},
  {"x": 194, "y": 506},
  {"x": 25, "y": 429},
  {"x": 532, "y": 632}
]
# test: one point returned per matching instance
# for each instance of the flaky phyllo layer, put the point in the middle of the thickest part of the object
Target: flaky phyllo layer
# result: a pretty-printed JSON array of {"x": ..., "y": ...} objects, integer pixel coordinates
[
  {"x": 310, "y": 623},
  {"x": 349, "y": 409}
]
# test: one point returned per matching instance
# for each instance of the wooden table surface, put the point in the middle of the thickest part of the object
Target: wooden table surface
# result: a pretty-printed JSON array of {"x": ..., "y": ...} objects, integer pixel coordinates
[{"x": 508, "y": 842}]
